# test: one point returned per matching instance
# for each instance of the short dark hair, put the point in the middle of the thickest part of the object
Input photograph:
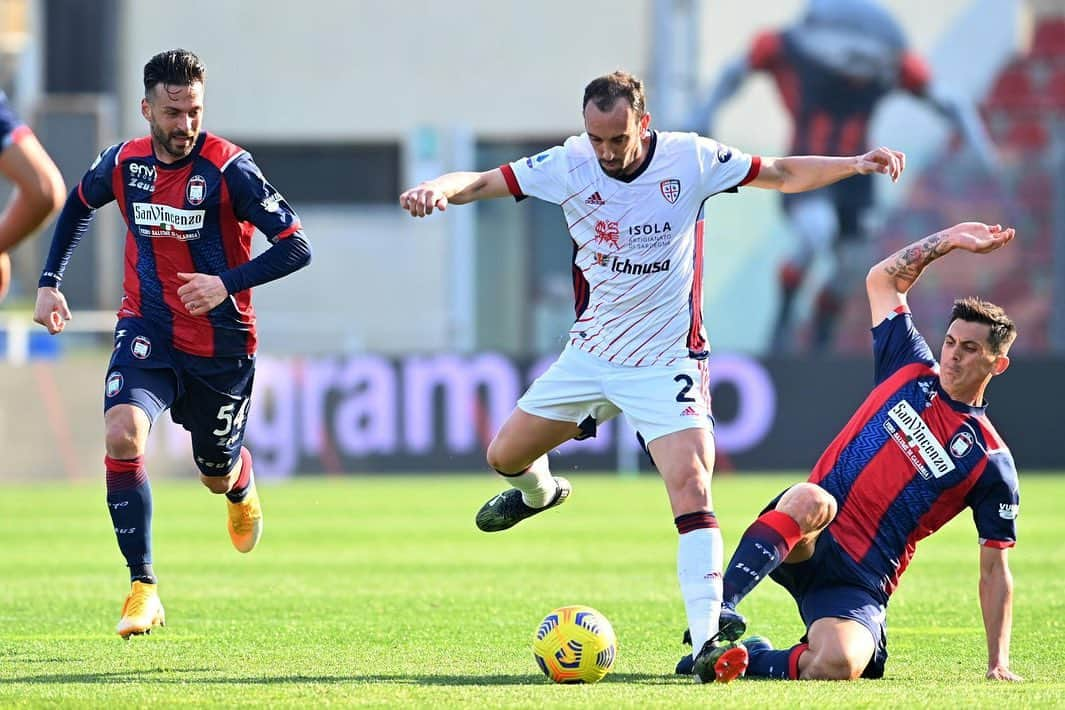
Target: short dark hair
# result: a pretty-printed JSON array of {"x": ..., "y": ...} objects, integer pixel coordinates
[
  {"x": 179, "y": 67},
  {"x": 974, "y": 310},
  {"x": 604, "y": 91}
]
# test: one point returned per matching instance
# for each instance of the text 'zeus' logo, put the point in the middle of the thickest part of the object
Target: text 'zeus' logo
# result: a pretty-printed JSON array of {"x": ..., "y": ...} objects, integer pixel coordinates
[
  {"x": 167, "y": 221},
  {"x": 624, "y": 266},
  {"x": 917, "y": 441}
]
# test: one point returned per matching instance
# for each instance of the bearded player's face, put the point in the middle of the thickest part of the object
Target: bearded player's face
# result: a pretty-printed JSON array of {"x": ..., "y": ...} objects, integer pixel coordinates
[
  {"x": 174, "y": 113},
  {"x": 617, "y": 136}
]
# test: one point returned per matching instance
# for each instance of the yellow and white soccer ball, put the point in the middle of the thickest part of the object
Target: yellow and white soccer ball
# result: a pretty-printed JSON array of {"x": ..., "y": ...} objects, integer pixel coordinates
[{"x": 575, "y": 644}]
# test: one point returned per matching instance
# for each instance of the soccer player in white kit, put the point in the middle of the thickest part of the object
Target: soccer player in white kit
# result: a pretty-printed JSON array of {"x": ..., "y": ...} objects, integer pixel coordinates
[{"x": 633, "y": 199}]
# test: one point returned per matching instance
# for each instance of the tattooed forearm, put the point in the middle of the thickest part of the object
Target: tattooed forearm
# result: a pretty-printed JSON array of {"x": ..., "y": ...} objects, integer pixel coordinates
[{"x": 907, "y": 264}]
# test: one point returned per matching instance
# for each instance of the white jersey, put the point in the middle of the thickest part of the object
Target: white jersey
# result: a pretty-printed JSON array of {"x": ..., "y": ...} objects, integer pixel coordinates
[{"x": 638, "y": 257}]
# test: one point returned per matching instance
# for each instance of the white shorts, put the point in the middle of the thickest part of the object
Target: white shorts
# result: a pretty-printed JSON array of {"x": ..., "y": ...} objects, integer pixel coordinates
[{"x": 656, "y": 400}]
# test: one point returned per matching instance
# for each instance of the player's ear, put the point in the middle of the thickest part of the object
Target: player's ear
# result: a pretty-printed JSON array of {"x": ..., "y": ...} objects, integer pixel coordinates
[
  {"x": 146, "y": 109},
  {"x": 1002, "y": 363},
  {"x": 645, "y": 122}
]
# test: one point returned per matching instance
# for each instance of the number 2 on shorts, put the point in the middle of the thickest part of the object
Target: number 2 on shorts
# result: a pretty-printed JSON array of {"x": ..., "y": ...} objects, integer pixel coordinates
[{"x": 682, "y": 396}]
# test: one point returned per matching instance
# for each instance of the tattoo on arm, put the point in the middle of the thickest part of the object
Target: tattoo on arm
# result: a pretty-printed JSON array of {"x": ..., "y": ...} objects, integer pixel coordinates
[{"x": 908, "y": 263}]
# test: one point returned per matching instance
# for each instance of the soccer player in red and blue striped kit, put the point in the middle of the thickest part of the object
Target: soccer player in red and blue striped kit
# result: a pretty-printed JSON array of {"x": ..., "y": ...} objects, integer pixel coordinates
[
  {"x": 918, "y": 451},
  {"x": 185, "y": 338}
]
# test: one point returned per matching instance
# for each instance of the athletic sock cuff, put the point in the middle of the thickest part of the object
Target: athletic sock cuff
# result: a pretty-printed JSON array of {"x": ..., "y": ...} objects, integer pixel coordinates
[
  {"x": 695, "y": 521},
  {"x": 123, "y": 465},
  {"x": 511, "y": 475},
  {"x": 782, "y": 524},
  {"x": 793, "y": 659},
  {"x": 123, "y": 474}
]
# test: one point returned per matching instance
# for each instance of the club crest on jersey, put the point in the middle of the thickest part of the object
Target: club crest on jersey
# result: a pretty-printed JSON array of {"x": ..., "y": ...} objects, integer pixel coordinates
[
  {"x": 141, "y": 347},
  {"x": 114, "y": 384},
  {"x": 196, "y": 190},
  {"x": 961, "y": 444},
  {"x": 608, "y": 233},
  {"x": 724, "y": 154},
  {"x": 670, "y": 190}
]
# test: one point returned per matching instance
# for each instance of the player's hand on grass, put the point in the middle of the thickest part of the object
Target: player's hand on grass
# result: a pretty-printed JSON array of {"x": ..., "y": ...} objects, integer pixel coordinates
[
  {"x": 882, "y": 160},
  {"x": 201, "y": 292},
  {"x": 1003, "y": 673},
  {"x": 51, "y": 309},
  {"x": 421, "y": 200},
  {"x": 978, "y": 237}
]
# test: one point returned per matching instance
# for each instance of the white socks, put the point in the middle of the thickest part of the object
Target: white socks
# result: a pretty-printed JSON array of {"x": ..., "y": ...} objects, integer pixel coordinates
[
  {"x": 536, "y": 484},
  {"x": 699, "y": 558}
]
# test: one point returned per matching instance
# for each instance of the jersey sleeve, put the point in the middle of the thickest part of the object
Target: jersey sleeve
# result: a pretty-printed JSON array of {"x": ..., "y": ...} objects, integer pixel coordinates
[
  {"x": 11, "y": 128},
  {"x": 544, "y": 176},
  {"x": 995, "y": 501},
  {"x": 257, "y": 201},
  {"x": 914, "y": 74},
  {"x": 897, "y": 343},
  {"x": 722, "y": 168},
  {"x": 764, "y": 51},
  {"x": 96, "y": 188}
]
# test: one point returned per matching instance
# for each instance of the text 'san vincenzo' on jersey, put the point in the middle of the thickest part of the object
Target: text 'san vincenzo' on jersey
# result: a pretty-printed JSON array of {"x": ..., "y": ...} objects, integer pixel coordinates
[
  {"x": 910, "y": 459},
  {"x": 638, "y": 240}
]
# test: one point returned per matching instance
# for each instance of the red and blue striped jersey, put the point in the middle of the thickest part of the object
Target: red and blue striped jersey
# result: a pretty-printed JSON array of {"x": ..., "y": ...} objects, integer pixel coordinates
[
  {"x": 910, "y": 459},
  {"x": 195, "y": 215},
  {"x": 831, "y": 113}
]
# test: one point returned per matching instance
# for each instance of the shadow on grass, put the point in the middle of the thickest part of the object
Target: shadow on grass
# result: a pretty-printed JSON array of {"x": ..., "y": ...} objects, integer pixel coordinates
[{"x": 185, "y": 676}]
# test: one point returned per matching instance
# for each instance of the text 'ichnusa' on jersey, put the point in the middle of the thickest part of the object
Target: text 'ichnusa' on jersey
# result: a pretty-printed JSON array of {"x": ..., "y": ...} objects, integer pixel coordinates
[{"x": 637, "y": 240}]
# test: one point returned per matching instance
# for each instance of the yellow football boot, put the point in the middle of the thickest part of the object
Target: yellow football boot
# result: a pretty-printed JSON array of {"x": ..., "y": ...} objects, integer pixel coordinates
[
  {"x": 246, "y": 520},
  {"x": 142, "y": 611}
]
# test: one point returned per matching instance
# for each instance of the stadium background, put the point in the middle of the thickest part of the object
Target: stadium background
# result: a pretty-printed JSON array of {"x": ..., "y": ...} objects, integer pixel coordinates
[{"x": 406, "y": 343}]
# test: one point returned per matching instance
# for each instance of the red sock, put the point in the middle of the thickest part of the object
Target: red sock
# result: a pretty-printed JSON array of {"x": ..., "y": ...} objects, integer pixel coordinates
[{"x": 240, "y": 488}]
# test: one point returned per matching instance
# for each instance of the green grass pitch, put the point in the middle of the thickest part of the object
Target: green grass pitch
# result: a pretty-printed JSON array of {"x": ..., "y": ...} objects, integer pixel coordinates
[{"x": 379, "y": 591}]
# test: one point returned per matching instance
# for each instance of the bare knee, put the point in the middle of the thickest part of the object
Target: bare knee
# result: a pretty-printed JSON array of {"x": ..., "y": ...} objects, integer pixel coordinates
[
  {"x": 124, "y": 434},
  {"x": 502, "y": 459},
  {"x": 832, "y": 667},
  {"x": 810, "y": 505}
]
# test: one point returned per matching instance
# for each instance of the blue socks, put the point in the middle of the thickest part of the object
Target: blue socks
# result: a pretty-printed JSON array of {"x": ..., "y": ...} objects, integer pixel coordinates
[
  {"x": 761, "y": 550},
  {"x": 129, "y": 500},
  {"x": 782, "y": 665}
]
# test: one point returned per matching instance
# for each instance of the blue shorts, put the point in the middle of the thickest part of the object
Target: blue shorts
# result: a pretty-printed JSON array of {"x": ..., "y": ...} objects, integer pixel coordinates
[
  {"x": 825, "y": 586},
  {"x": 209, "y": 397}
]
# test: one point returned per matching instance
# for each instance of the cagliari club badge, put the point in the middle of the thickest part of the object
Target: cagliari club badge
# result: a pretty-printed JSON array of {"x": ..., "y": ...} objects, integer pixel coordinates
[{"x": 670, "y": 190}]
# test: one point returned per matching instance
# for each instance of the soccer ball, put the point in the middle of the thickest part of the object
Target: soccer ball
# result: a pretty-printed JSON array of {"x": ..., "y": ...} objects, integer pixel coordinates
[{"x": 575, "y": 644}]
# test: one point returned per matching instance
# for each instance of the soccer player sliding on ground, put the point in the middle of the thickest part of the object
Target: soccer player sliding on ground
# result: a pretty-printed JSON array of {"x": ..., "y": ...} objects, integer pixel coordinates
[{"x": 918, "y": 451}]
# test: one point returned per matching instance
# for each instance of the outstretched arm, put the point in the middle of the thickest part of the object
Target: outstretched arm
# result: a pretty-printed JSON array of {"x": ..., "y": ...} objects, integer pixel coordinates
[
  {"x": 888, "y": 282},
  {"x": 39, "y": 190},
  {"x": 799, "y": 173},
  {"x": 996, "y": 605},
  {"x": 453, "y": 188}
]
